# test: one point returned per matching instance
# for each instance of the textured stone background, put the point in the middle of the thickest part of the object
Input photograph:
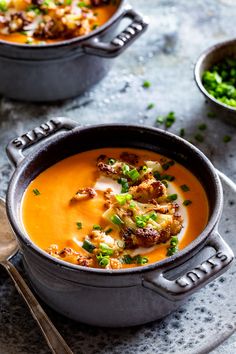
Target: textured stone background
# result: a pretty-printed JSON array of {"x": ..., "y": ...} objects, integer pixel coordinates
[{"x": 179, "y": 30}]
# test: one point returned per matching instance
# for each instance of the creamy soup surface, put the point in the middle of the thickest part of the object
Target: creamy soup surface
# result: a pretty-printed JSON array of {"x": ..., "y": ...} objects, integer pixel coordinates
[{"x": 114, "y": 208}]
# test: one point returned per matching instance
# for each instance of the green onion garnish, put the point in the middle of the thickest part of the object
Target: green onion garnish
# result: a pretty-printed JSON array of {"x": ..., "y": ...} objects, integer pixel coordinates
[
  {"x": 146, "y": 84},
  {"x": 132, "y": 204},
  {"x": 187, "y": 202},
  {"x": 172, "y": 197},
  {"x": 116, "y": 220},
  {"x": 160, "y": 119},
  {"x": 79, "y": 225},
  {"x": 111, "y": 161},
  {"x": 170, "y": 119},
  {"x": 125, "y": 169},
  {"x": 185, "y": 188},
  {"x": 36, "y": 192},
  {"x": 199, "y": 138},
  {"x": 227, "y": 139},
  {"x": 202, "y": 126},
  {"x": 88, "y": 246},
  {"x": 211, "y": 115},
  {"x": 173, "y": 248},
  {"x": 125, "y": 185},
  {"x": 3, "y": 6},
  {"x": 97, "y": 227},
  {"x": 123, "y": 198},
  {"x": 103, "y": 261},
  {"x": 108, "y": 231},
  {"x": 153, "y": 215},
  {"x": 141, "y": 260},
  {"x": 168, "y": 164},
  {"x": 182, "y": 132},
  {"x": 150, "y": 106},
  {"x": 133, "y": 174},
  {"x": 105, "y": 249},
  {"x": 141, "y": 220}
]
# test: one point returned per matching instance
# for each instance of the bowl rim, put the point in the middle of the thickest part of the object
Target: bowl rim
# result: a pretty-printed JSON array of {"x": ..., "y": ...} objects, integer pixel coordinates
[
  {"x": 75, "y": 40},
  {"x": 180, "y": 256},
  {"x": 197, "y": 68}
]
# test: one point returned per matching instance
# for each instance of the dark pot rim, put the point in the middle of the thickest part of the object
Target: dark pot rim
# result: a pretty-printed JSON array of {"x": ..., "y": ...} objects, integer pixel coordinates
[
  {"x": 167, "y": 263},
  {"x": 67, "y": 42},
  {"x": 197, "y": 72}
]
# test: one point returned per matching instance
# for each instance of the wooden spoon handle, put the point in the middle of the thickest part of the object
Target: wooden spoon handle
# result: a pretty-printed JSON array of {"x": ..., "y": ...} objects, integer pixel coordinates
[{"x": 55, "y": 341}]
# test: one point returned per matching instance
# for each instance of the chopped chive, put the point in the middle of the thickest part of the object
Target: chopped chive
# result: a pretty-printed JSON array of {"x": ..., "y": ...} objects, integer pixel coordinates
[
  {"x": 141, "y": 260},
  {"x": 36, "y": 192},
  {"x": 150, "y": 106},
  {"x": 111, "y": 161},
  {"x": 146, "y": 84},
  {"x": 185, "y": 188},
  {"x": 187, "y": 202},
  {"x": 116, "y": 220},
  {"x": 133, "y": 174},
  {"x": 153, "y": 215},
  {"x": 165, "y": 183},
  {"x": 105, "y": 249},
  {"x": 202, "y": 126},
  {"x": 127, "y": 259},
  {"x": 124, "y": 184},
  {"x": 170, "y": 119},
  {"x": 103, "y": 261},
  {"x": 108, "y": 231},
  {"x": 68, "y": 2},
  {"x": 97, "y": 227},
  {"x": 172, "y": 197},
  {"x": 182, "y": 132},
  {"x": 79, "y": 225},
  {"x": 169, "y": 178},
  {"x": 211, "y": 115},
  {"x": 227, "y": 138},
  {"x": 168, "y": 164},
  {"x": 160, "y": 119},
  {"x": 132, "y": 204},
  {"x": 123, "y": 198},
  {"x": 95, "y": 26},
  {"x": 125, "y": 169},
  {"x": 173, "y": 248},
  {"x": 141, "y": 220},
  {"x": 199, "y": 138},
  {"x": 88, "y": 246}
]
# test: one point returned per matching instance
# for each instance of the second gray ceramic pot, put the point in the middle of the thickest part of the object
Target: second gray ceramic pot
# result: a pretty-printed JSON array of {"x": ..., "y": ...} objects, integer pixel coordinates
[
  {"x": 126, "y": 297},
  {"x": 51, "y": 72}
]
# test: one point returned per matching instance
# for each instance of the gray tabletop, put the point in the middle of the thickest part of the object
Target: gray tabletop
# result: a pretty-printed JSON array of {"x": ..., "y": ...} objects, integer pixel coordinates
[{"x": 179, "y": 31}]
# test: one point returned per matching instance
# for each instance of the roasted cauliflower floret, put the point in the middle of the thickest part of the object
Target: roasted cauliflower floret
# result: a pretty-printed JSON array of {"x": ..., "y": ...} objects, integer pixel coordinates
[
  {"x": 84, "y": 194},
  {"x": 148, "y": 190}
]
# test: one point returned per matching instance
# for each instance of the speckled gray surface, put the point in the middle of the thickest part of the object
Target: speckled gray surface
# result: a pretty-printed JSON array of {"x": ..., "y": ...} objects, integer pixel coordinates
[{"x": 165, "y": 55}]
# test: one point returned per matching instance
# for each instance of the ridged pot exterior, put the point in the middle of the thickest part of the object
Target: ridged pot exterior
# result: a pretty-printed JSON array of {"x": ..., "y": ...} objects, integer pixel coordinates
[
  {"x": 99, "y": 301},
  {"x": 51, "y": 80}
]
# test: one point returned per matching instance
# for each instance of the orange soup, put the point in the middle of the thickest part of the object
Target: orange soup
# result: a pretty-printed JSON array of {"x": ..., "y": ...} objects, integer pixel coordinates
[
  {"x": 114, "y": 208},
  {"x": 48, "y": 21}
]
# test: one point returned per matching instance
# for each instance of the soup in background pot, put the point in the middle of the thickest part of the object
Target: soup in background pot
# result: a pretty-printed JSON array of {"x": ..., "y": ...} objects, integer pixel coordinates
[
  {"x": 114, "y": 208},
  {"x": 48, "y": 21}
]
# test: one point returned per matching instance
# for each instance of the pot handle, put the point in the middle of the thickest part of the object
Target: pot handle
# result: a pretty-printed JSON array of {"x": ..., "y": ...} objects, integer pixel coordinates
[
  {"x": 117, "y": 45},
  {"x": 196, "y": 278},
  {"x": 16, "y": 146}
]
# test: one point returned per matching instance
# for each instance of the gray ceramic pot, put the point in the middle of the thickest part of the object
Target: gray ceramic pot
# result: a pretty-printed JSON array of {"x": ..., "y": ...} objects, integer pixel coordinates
[
  {"x": 115, "y": 297},
  {"x": 65, "y": 69}
]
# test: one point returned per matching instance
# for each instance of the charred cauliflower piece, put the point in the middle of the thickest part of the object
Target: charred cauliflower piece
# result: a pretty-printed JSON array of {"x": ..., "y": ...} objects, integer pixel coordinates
[
  {"x": 147, "y": 190},
  {"x": 84, "y": 194}
]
